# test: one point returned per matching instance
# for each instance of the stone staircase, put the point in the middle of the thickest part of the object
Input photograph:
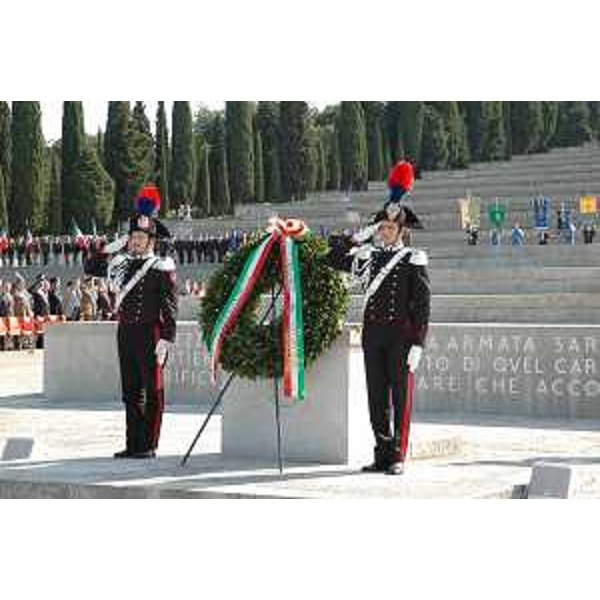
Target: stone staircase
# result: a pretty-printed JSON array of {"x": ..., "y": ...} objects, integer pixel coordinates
[
  {"x": 561, "y": 174},
  {"x": 557, "y": 283}
]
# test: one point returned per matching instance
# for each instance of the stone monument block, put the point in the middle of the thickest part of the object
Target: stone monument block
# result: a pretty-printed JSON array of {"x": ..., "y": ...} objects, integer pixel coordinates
[
  {"x": 330, "y": 426},
  {"x": 81, "y": 365}
]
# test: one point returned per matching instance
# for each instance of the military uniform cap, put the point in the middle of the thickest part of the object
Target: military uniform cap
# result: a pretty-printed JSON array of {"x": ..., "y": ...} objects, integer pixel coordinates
[{"x": 147, "y": 205}]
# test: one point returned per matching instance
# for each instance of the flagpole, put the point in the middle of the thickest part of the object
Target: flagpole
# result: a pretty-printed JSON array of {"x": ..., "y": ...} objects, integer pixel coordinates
[{"x": 276, "y": 381}]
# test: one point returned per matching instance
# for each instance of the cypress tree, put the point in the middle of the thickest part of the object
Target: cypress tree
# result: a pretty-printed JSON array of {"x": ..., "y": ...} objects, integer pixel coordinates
[
  {"x": 374, "y": 118},
  {"x": 393, "y": 130},
  {"x": 5, "y": 146},
  {"x": 47, "y": 182},
  {"x": 494, "y": 140},
  {"x": 161, "y": 157},
  {"x": 507, "y": 130},
  {"x": 328, "y": 117},
  {"x": 55, "y": 209},
  {"x": 95, "y": 185},
  {"x": 202, "y": 187},
  {"x": 294, "y": 145},
  {"x": 434, "y": 146},
  {"x": 594, "y": 110},
  {"x": 573, "y": 127},
  {"x": 353, "y": 146},
  {"x": 141, "y": 148},
  {"x": 411, "y": 126},
  {"x": 220, "y": 202},
  {"x": 3, "y": 204},
  {"x": 239, "y": 117},
  {"x": 117, "y": 158},
  {"x": 527, "y": 127},
  {"x": 476, "y": 128},
  {"x": 462, "y": 149},
  {"x": 387, "y": 156},
  {"x": 321, "y": 164},
  {"x": 27, "y": 168},
  {"x": 313, "y": 157},
  {"x": 333, "y": 160},
  {"x": 203, "y": 121},
  {"x": 550, "y": 120},
  {"x": 458, "y": 146},
  {"x": 182, "y": 154},
  {"x": 259, "y": 170},
  {"x": 267, "y": 122},
  {"x": 72, "y": 144},
  {"x": 100, "y": 143}
]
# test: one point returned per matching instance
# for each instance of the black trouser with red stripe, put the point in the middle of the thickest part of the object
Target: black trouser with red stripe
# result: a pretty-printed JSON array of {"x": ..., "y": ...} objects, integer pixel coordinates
[
  {"x": 142, "y": 385},
  {"x": 389, "y": 386}
]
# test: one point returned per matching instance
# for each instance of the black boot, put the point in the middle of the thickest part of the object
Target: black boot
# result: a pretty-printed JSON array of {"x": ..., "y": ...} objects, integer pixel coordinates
[
  {"x": 380, "y": 464},
  {"x": 123, "y": 454},
  {"x": 374, "y": 468}
]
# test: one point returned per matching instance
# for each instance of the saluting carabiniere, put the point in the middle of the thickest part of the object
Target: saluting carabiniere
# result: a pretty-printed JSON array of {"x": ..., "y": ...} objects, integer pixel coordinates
[
  {"x": 395, "y": 319},
  {"x": 146, "y": 304}
]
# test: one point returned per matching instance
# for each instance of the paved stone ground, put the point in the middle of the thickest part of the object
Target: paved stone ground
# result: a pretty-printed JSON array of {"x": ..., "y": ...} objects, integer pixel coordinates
[{"x": 53, "y": 450}]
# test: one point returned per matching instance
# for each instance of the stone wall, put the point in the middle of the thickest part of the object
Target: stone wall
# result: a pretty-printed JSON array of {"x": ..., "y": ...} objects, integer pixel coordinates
[{"x": 535, "y": 370}]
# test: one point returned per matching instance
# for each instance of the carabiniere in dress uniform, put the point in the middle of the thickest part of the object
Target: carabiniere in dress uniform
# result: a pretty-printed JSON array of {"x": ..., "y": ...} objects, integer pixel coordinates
[
  {"x": 395, "y": 318},
  {"x": 146, "y": 305}
]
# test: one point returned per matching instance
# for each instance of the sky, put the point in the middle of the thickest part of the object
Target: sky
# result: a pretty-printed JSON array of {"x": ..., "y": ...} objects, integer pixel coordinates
[{"x": 95, "y": 113}]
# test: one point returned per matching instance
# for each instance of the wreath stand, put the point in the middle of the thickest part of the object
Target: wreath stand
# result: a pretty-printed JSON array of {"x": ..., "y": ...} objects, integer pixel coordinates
[{"x": 272, "y": 313}]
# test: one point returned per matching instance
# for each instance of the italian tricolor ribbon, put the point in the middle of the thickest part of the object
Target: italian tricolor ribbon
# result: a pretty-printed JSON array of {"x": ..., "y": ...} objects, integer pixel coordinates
[{"x": 284, "y": 233}]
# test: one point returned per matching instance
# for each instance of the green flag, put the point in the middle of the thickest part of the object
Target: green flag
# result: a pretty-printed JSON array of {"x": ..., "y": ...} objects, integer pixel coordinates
[{"x": 497, "y": 214}]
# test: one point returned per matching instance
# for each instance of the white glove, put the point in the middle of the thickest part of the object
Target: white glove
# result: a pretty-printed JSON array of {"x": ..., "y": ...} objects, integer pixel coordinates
[
  {"x": 163, "y": 347},
  {"x": 414, "y": 357},
  {"x": 116, "y": 245},
  {"x": 365, "y": 234}
]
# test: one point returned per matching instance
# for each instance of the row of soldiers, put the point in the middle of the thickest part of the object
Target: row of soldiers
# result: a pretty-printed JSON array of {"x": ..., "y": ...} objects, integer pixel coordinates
[{"x": 66, "y": 250}]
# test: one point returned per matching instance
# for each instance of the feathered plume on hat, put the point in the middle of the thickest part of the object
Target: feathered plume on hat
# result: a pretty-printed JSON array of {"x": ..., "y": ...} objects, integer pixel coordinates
[
  {"x": 147, "y": 201},
  {"x": 147, "y": 205},
  {"x": 401, "y": 180}
]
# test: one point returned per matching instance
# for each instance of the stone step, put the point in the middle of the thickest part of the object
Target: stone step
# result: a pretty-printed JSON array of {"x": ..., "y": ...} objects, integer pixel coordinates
[
  {"x": 494, "y": 305},
  {"x": 510, "y": 308},
  {"x": 513, "y": 286},
  {"x": 75, "y": 447},
  {"x": 443, "y": 242},
  {"x": 421, "y": 201},
  {"x": 521, "y": 273},
  {"x": 514, "y": 280}
]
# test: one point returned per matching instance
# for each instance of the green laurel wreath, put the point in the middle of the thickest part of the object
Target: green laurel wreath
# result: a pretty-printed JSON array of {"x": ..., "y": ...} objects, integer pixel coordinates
[{"x": 253, "y": 349}]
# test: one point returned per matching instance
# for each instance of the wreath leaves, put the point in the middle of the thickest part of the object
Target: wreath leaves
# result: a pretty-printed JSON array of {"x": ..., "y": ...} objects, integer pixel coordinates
[{"x": 253, "y": 350}]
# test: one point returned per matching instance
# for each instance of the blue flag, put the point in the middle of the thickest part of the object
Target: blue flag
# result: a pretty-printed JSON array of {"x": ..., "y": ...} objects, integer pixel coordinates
[{"x": 541, "y": 214}]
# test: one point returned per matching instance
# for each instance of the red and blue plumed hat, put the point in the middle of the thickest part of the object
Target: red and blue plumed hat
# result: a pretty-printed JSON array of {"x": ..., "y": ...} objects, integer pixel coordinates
[{"x": 147, "y": 205}]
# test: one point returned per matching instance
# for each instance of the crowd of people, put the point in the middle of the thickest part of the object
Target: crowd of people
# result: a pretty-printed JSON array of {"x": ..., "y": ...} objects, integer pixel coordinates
[
  {"x": 82, "y": 299},
  {"x": 41, "y": 299}
]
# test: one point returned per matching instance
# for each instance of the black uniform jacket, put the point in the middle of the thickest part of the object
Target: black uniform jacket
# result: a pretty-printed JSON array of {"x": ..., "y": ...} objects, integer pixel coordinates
[
  {"x": 404, "y": 296},
  {"x": 153, "y": 299}
]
